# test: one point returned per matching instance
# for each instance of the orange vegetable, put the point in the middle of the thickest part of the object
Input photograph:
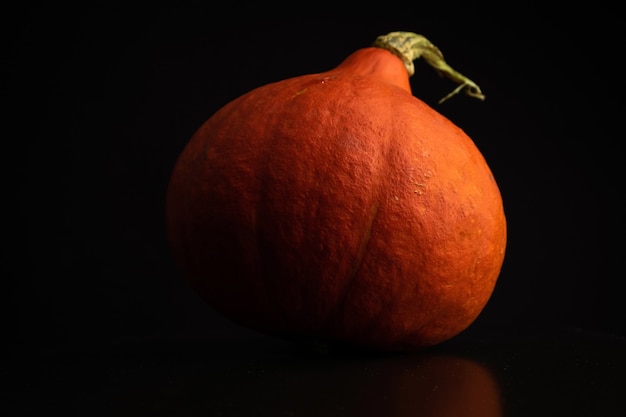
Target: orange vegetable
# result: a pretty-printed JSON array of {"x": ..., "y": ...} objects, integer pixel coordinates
[{"x": 338, "y": 207}]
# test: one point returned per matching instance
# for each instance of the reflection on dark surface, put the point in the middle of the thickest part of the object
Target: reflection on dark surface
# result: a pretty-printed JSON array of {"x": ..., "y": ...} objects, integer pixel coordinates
[
  {"x": 415, "y": 385},
  {"x": 568, "y": 374},
  {"x": 429, "y": 386}
]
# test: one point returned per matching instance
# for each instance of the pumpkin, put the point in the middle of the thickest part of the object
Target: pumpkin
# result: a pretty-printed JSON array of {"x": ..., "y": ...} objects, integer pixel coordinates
[{"x": 337, "y": 207}]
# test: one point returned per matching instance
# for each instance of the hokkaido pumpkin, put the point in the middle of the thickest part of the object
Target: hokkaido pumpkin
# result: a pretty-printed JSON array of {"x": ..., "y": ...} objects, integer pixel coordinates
[{"x": 338, "y": 207}]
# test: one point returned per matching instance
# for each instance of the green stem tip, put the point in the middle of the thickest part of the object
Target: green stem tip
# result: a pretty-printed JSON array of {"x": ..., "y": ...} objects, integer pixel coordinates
[{"x": 409, "y": 46}]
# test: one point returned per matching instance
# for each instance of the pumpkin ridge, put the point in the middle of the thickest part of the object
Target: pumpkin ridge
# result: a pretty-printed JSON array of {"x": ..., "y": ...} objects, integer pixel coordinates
[
  {"x": 348, "y": 81},
  {"x": 392, "y": 306},
  {"x": 387, "y": 308},
  {"x": 345, "y": 308},
  {"x": 269, "y": 260},
  {"x": 386, "y": 144},
  {"x": 340, "y": 306}
]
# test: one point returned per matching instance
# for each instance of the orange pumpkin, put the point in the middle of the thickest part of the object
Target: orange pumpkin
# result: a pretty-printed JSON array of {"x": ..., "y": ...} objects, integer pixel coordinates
[{"x": 338, "y": 207}]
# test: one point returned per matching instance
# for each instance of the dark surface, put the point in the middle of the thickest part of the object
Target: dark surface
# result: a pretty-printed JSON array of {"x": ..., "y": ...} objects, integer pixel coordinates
[
  {"x": 565, "y": 373},
  {"x": 103, "y": 99}
]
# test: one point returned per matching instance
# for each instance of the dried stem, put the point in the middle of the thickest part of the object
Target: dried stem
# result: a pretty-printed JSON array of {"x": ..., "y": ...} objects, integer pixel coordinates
[{"x": 410, "y": 46}]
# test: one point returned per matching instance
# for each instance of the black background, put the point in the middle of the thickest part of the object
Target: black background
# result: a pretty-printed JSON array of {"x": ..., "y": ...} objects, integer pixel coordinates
[{"x": 103, "y": 99}]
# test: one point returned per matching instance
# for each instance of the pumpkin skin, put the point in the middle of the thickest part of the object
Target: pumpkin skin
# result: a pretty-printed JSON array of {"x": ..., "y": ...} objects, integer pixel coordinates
[{"x": 337, "y": 206}]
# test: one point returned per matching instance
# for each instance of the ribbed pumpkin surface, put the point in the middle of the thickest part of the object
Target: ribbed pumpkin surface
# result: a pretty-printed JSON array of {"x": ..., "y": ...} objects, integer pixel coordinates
[{"x": 337, "y": 206}]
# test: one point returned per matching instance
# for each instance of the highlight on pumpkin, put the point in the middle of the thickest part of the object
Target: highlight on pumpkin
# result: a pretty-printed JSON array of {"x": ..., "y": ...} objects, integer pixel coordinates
[{"x": 409, "y": 46}]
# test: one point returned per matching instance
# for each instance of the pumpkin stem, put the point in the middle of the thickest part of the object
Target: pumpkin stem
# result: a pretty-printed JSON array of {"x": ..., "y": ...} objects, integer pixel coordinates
[{"x": 409, "y": 46}]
